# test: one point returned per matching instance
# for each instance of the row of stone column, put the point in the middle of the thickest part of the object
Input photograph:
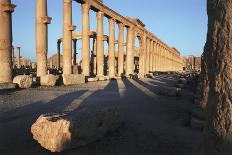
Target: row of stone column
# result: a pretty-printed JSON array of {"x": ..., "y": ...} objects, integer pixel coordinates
[
  {"x": 67, "y": 46},
  {"x": 159, "y": 57}
]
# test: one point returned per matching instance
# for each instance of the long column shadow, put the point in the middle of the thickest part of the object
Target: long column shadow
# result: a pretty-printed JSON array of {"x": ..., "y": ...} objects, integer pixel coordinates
[{"x": 15, "y": 125}]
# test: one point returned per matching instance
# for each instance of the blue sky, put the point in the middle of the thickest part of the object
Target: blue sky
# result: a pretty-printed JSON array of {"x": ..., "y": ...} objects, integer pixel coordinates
[{"x": 179, "y": 23}]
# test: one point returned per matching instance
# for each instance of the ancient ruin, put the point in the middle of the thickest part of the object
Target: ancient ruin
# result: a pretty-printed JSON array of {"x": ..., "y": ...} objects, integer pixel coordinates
[
  {"x": 112, "y": 96},
  {"x": 153, "y": 55}
]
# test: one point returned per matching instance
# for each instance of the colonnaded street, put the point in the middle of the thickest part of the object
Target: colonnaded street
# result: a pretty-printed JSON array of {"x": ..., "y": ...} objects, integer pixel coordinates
[{"x": 94, "y": 77}]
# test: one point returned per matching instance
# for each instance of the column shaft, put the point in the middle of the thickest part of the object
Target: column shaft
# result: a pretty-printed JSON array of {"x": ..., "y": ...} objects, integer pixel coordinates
[
  {"x": 6, "y": 8},
  {"x": 95, "y": 57},
  {"x": 85, "y": 39},
  {"x": 142, "y": 55},
  {"x": 120, "y": 49},
  {"x": 148, "y": 56},
  {"x": 18, "y": 58},
  {"x": 130, "y": 52},
  {"x": 100, "y": 44},
  {"x": 74, "y": 52},
  {"x": 58, "y": 54},
  {"x": 41, "y": 36},
  {"x": 67, "y": 37},
  {"x": 13, "y": 57},
  {"x": 151, "y": 56},
  {"x": 111, "y": 58}
]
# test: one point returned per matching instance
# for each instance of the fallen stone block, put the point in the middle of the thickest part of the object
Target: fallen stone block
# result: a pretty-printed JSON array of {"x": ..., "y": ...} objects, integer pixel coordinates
[
  {"x": 23, "y": 81},
  {"x": 5, "y": 86},
  {"x": 73, "y": 79},
  {"x": 102, "y": 78},
  {"x": 59, "y": 132},
  {"x": 167, "y": 91},
  {"x": 93, "y": 79},
  {"x": 48, "y": 80}
]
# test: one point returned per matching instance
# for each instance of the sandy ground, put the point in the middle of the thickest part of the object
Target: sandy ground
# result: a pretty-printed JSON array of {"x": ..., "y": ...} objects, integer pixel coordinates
[{"x": 153, "y": 124}]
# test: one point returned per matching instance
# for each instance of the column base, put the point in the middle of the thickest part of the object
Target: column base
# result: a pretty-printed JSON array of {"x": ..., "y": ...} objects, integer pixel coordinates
[{"x": 7, "y": 86}]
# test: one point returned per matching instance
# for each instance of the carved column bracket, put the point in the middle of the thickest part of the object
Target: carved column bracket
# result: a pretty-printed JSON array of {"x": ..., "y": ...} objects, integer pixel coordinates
[
  {"x": 46, "y": 20},
  {"x": 7, "y": 7}
]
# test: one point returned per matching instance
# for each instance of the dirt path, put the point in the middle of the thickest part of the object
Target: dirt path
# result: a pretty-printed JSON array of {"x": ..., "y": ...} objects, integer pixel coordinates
[{"x": 153, "y": 124}]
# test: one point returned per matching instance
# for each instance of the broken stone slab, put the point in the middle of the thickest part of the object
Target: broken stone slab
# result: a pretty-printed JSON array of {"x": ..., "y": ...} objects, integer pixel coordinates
[
  {"x": 103, "y": 78},
  {"x": 60, "y": 132},
  {"x": 48, "y": 80},
  {"x": 93, "y": 79},
  {"x": 73, "y": 79},
  {"x": 23, "y": 81},
  {"x": 168, "y": 91},
  {"x": 6, "y": 86}
]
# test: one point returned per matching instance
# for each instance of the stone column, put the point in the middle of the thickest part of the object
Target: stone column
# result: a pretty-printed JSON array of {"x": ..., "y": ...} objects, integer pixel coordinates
[
  {"x": 95, "y": 56},
  {"x": 18, "y": 57},
  {"x": 151, "y": 56},
  {"x": 148, "y": 56},
  {"x": 142, "y": 56},
  {"x": 111, "y": 59},
  {"x": 130, "y": 51},
  {"x": 144, "y": 42},
  {"x": 159, "y": 58},
  {"x": 74, "y": 52},
  {"x": 13, "y": 57},
  {"x": 120, "y": 48},
  {"x": 154, "y": 57},
  {"x": 67, "y": 37},
  {"x": 100, "y": 44},
  {"x": 58, "y": 54},
  {"x": 42, "y": 20},
  {"x": 85, "y": 39},
  {"x": 6, "y": 8}
]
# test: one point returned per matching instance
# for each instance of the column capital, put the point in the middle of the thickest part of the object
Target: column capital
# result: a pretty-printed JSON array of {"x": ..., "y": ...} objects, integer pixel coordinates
[
  {"x": 112, "y": 19},
  {"x": 85, "y": 6},
  {"x": 100, "y": 14}
]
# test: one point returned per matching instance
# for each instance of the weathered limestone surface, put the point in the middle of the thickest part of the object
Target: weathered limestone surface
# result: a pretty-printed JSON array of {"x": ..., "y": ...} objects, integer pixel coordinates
[
  {"x": 218, "y": 49},
  {"x": 23, "y": 81},
  {"x": 73, "y": 79},
  {"x": 48, "y": 80},
  {"x": 59, "y": 132}
]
